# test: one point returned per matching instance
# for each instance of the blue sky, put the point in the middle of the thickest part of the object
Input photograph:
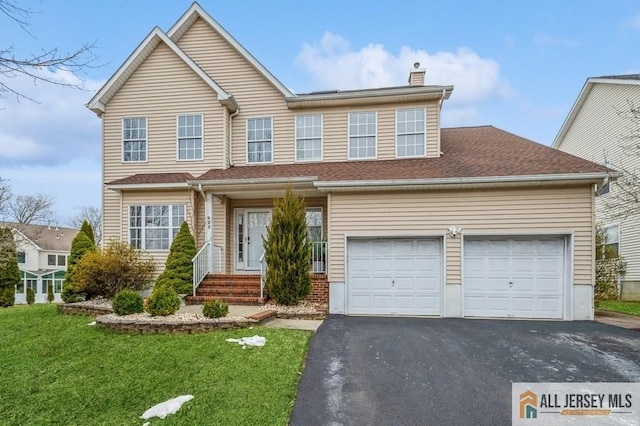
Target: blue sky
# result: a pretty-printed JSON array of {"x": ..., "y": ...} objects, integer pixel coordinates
[{"x": 516, "y": 65}]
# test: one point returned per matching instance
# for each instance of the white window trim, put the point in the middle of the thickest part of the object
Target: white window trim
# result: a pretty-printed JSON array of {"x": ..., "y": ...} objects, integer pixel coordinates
[
  {"x": 295, "y": 137},
  {"x": 143, "y": 228},
  {"x": 613, "y": 225},
  {"x": 349, "y": 136},
  {"x": 246, "y": 139},
  {"x": 321, "y": 217},
  {"x": 424, "y": 138},
  {"x": 146, "y": 141},
  {"x": 178, "y": 138}
]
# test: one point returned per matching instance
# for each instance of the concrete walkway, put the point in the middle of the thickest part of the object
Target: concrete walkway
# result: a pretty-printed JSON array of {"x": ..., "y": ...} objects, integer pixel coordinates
[
  {"x": 631, "y": 322},
  {"x": 248, "y": 310}
]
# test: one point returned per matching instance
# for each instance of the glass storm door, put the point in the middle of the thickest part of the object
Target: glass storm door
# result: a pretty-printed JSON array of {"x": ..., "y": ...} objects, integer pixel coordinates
[{"x": 256, "y": 227}]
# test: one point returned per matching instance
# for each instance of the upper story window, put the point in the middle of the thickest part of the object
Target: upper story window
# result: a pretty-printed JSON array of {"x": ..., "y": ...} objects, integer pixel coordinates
[
  {"x": 134, "y": 139},
  {"x": 362, "y": 135},
  {"x": 56, "y": 260},
  {"x": 22, "y": 257},
  {"x": 309, "y": 137},
  {"x": 154, "y": 227},
  {"x": 190, "y": 137},
  {"x": 314, "y": 223},
  {"x": 410, "y": 132},
  {"x": 51, "y": 260},
  {"x": 603, "y": 189},
  {"x": 259, "y": 140}
]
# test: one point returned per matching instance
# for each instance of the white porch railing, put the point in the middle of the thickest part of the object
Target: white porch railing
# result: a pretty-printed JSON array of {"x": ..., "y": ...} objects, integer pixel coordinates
[
  {"x": 206, "y": 262},
  {"x": 318, "y": 257},
  {"x": 263, "y": 270}
]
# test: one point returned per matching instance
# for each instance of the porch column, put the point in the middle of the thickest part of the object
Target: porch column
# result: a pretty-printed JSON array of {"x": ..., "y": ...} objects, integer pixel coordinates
[{"x": 208, "y": 228}]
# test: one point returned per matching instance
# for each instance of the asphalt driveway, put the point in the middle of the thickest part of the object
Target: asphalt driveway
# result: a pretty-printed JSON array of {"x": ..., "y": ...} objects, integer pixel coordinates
[{"x": 409, "y": 371}]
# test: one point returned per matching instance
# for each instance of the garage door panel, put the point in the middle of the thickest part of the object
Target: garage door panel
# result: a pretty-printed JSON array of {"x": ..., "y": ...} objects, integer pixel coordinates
[
  {"x": 404, "y": 276},
  {"x": 533, "y": 266}
]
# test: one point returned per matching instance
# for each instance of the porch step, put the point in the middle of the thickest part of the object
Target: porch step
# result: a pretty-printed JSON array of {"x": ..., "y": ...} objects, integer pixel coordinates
[
  {"x": 231, "y": 300},
  {"x": 229, "y": 290}
]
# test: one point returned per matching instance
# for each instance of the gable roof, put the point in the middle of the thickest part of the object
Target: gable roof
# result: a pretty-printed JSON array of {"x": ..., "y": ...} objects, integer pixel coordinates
[
  {"x": 99, "y": 101},
  {"x": 149, "y": 180},
  {"x": 469, "y": 155},
  {"x": 45, "y": 237},
  {"x": 196, "y": 11},
  {"x": 631, "y": 79}
]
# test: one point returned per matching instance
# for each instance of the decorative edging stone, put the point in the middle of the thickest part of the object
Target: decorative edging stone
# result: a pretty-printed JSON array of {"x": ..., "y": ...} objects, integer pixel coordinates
[
  {"x": 125, "y": 325},
  {"x": 77, "y": 309},
  {"x": 302, "y": 316}
]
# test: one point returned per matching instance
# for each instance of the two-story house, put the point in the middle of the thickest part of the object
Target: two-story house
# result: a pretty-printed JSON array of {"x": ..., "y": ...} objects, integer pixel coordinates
[
  {"x": 43, "y": 253},
  {"x": 600, "y": 127},
  {"x": 409, "y": 218}
]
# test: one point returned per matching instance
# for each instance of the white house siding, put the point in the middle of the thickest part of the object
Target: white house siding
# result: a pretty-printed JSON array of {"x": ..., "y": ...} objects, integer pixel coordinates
[{"x": 595, "y": 135}]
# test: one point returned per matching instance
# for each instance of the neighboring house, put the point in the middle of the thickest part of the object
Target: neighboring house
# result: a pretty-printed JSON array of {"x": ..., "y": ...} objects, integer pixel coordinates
[
  {"x": 418, "y": 220},
  {"x": 43, "y": 253},
  {"x": 596, "y": 129}
]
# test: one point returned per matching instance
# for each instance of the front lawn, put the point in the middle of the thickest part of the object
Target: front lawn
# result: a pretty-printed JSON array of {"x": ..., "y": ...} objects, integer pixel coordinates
[
  {"x": 632, "y": 308},
  {"x": 57, "y": 370}
]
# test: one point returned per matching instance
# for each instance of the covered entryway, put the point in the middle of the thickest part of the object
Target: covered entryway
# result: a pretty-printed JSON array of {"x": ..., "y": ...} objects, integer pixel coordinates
[
  {"x": 394, "y": 276},
  {"x": 520, "y": 277}
]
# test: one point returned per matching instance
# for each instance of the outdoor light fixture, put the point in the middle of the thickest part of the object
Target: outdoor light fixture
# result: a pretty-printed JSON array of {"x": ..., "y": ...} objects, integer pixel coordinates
[{"x": 454, "y": 231}]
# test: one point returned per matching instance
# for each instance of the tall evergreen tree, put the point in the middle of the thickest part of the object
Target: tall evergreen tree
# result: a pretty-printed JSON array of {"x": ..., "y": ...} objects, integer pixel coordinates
[
  {"x": 80, "y": 245},
  {"x": 178, "y": 270},
  {"x": 88, "y": 230},
  {"x": 288, "y": 251},
  {"x": 9, "y": 270}
]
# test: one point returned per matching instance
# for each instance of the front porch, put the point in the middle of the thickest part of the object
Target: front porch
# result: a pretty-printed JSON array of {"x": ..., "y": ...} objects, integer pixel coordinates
[{"x": 230, "y": 225}]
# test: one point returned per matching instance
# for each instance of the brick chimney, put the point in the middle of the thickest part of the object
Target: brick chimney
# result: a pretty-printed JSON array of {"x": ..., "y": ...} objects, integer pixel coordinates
[{"x": 416, "y": 75}]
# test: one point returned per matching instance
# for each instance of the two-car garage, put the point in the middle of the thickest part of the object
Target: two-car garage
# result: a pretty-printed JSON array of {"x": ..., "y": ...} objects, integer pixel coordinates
[{"x": 504, "y": 277}]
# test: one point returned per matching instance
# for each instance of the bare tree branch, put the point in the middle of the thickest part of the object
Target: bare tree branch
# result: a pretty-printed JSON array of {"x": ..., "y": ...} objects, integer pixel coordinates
[
  {"x": 91, "y": 214},
  {"x": 5, "y": 196},
  {"x": 31, "y": 209},
  {"x": 35, "y": 66}
]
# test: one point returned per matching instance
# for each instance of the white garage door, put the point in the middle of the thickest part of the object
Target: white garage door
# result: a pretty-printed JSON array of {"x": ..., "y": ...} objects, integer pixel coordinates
[
  {"x": 514, "y": 277},
  {"x": 394, "y": 276}
]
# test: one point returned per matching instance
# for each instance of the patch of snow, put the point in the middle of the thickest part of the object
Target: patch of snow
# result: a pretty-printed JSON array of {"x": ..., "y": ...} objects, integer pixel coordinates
[
  {"x": 163, "y": 409},
  {"x": 146, "y": 423},
  {"x": 249, "y": 341},
  {"x": 92, "y": 323}
]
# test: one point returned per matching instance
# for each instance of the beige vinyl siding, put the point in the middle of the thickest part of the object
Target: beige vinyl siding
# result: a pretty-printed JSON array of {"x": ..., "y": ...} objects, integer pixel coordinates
[
  {"x": 596, "y": 130},
  {"x": 258, "y": 98},
  {"x": 155, "y": 198},
  {"x": 162, "y": 88},
  {"x": 490, "y": 212}
]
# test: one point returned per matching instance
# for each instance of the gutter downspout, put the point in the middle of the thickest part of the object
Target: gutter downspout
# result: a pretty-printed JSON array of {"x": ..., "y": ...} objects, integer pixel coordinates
[
  {"x": 231, "y": 136},
  {"x": 440, "y": 102}
]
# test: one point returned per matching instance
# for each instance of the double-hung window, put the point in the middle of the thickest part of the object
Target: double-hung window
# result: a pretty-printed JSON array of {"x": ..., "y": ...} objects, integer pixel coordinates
[
  {"x": 22, "y": 257},
  {"x": 134, "y": 139},
  {"x": 362, "y": 135},
  {"x": 190, "y": 137},
  {"x": 611, "y": 241},
  {"x": 314, "y": 223},
  {"x": 259, "y": 140},
  {"x": 410, "y": 132},
  {"x": 154, "y": 227},
  {"x": 309, "y": 137}
]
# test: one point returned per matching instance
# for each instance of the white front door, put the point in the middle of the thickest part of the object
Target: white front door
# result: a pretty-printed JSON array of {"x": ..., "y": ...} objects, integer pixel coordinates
[
  {"x": 400, "y": 276},
  {"x": 256, "y": 227},
  {"x": 514, "y": 277}
]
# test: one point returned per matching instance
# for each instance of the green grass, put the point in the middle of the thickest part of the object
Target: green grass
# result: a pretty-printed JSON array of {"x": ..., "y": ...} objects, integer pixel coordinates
[
  {"x": 57, "y": 370},
  {"x": 632, "y": 308}
]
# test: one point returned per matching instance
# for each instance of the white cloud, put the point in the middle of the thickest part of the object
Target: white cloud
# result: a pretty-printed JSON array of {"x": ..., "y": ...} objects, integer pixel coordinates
[
  {"x": 334, "y": 64},
  {"x": 56, "y": 129}
]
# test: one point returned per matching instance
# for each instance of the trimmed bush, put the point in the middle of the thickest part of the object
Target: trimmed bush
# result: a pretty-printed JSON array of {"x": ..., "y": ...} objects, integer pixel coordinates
[
  {"x": 215, "y": 309},
  {"x": 31, "y": 296},
  {"x": 103, "y": 273},
  {"x": 163, "y": 301},
  {"x": 127, "y": 302},
  {"x": 288, "y": 251},
  {"x": 9, "y": 271},
  {"x": 50, "y": 296},
  {"x": 71, "y": 295},
  {"x": 178, "y": 270}
]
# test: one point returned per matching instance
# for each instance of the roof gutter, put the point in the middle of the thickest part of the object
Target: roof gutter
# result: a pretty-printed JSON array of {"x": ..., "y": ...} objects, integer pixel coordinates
[
  {"x": 327, "y": 185},
  {"x": 254, "y": 181},
  {"x": 130, "y": 186}
]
